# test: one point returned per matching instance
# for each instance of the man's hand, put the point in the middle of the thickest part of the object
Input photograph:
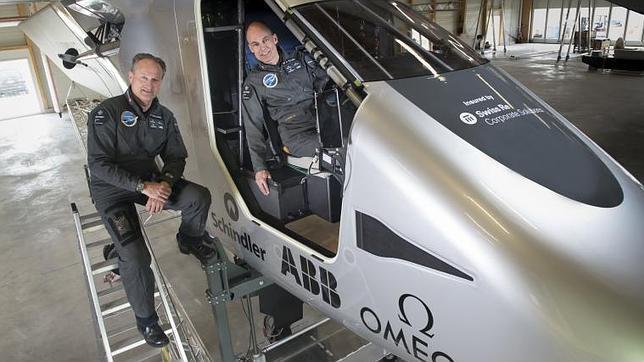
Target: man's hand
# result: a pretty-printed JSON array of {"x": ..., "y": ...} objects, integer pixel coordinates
[
  {"x": 157, "y": 190},
  {"x": 261, "y": 178},
  {"x": 154, "y": 206}
]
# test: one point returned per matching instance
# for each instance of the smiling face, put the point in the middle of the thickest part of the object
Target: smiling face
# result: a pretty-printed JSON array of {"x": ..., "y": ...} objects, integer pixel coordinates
[
  {"x": 145, "y": 80},
  {"x": 262, "y": 42}
]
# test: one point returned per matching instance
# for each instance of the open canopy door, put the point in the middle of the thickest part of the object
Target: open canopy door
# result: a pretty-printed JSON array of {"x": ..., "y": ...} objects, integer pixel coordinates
[{"x": 54, "y": 31}]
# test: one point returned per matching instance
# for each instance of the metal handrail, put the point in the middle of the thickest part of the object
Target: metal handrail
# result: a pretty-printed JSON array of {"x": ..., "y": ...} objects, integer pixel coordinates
[
  {"x": 88, "y": 274},
  {"x": 160, "y": 280}
]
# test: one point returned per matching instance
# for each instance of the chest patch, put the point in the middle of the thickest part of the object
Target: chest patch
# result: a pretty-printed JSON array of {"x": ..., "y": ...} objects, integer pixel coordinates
[
  {"x": 292, "y": 65},
  {"x": 128, "y": 119},
  {"x": 155, "y": 122},
  {"x": 270, "y": 80}
]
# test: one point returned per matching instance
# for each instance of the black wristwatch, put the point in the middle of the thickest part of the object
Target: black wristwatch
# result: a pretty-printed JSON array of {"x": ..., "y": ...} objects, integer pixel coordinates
[
  {"x": 169, "y": 178},
  {"x": 140, "y": 186}
]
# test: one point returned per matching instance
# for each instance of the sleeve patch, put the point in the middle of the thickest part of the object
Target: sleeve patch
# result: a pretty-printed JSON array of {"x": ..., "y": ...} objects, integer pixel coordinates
[
  {"x": 247, "y": 92},
  {"x": 99, "y": 117}
]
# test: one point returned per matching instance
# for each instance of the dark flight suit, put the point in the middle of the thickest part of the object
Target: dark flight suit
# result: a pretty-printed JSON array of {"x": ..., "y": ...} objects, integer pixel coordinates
[
  {"x": 122, "y": 143},
  {"x": 286, "y": 92}
]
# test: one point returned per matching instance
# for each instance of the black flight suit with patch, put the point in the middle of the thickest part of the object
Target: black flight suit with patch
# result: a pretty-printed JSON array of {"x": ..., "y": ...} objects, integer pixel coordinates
[
  {"x": 122, "y": 142},
  {"x": 286, "y": 92}
]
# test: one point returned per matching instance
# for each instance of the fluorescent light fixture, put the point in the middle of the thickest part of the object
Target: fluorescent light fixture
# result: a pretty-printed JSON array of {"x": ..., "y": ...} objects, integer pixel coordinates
[{"x": 9, "y": 24}]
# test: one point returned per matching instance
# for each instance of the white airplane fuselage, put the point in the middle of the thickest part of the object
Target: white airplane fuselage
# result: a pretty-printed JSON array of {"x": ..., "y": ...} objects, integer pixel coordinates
[{"x": 450, "y": 247}]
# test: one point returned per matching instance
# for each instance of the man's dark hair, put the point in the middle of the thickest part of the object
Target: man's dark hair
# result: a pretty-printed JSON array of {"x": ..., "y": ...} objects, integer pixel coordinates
[{"x": 142, "y": 56}]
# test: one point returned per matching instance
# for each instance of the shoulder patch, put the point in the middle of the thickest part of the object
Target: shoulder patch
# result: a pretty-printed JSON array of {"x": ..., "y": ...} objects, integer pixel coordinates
[
  {"x": 247, "y": 92},
  {"x": 99, "y": 117}
]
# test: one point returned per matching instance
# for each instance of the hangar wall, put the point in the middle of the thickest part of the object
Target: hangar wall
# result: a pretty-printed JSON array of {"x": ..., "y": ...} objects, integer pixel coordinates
[{"x": 449, "y": 19}]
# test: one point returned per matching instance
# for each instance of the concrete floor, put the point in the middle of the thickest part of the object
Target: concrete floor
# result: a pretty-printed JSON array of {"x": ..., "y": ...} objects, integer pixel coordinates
[
  {"x": 607, "y": 106},
  {"x": 43, "y": 305},
  {"x": 43, "y": 300}
]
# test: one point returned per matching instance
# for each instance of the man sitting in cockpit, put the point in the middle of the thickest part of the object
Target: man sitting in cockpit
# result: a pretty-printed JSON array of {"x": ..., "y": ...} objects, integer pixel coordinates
[{"x": 282, "y": 86}]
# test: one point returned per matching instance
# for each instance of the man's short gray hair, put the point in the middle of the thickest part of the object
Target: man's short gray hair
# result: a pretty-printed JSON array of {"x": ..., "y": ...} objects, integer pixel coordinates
[{"x": 137, "y": 58}]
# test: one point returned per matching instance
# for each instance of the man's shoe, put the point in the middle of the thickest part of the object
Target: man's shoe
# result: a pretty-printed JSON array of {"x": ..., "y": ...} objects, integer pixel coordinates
[
  {"x": 209, "y": 240},
  {"x": 200, "y": 250},
  {"x": 154, "y": 336},
  {"x": 281, "y": 334}
]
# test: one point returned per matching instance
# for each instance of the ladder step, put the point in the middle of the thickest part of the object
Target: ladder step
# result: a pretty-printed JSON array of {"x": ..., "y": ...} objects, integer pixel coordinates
[
  {"x": 93, "y": 225},
  {"x": 114, "y": 306},
  {"x": 84, "y": 218},
  {"x": 110, "y": 290},
  {"x": 153, "y": 355},
  {"x": 117, "y": 305},
  {"x": 99, "y": 243},
  {"x": 104, "y": 266},
  {"x": 121, "y": 330},
  {"x": 134, "y": 341},
  {"x": 119, "y": 313}
]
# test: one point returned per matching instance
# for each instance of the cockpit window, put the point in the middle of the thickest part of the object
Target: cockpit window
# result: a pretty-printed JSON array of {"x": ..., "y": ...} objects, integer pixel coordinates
[{"x": 384, "y": 40}]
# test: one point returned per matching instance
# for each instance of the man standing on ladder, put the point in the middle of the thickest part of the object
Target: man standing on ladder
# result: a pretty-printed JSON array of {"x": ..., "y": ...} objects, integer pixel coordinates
[{"x": 125, "y": 134}]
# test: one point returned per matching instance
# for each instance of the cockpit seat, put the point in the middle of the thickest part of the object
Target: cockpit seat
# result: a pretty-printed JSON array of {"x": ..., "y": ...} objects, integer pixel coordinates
[{"x": 302, "y": 162}]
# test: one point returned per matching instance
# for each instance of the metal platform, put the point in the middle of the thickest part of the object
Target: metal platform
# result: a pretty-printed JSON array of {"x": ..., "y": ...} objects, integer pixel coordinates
[{"x": 328, "y": 341}]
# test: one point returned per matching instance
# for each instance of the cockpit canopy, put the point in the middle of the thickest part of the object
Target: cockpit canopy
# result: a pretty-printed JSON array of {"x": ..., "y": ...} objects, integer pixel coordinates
[{"x": 384, "y": 40}]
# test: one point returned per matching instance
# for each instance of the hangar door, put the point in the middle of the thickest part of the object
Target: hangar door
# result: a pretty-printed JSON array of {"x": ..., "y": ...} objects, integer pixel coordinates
[{"x": 18, "y": 95}]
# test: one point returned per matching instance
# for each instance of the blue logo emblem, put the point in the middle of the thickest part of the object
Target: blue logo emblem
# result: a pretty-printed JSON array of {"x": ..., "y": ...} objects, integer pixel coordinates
[
  {"x": 128, "y": 118},
  {"x": 270, "y": 80}
]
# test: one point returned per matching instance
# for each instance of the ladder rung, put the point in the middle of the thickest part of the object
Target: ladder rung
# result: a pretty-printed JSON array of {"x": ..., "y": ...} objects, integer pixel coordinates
[
  {"x": 228, "y": 130},
  {"x": 117, "y": 305},
  {"x": 93, "y": 225},
  {"x": 114, "y": 306},
  {"x": 110, "y": 290},
  {"x": 104, "y": 266},
  {"x": 120, "y": 330},
  {"x": 99, "y": 243},
  {"x": 216, "y": 29},
  {"x": 117, "y": 314},
  {"x": 152, "y": 355},
  {"x": 133, "y": 342},
  {"x": 84, "y": 218},
  {"x": 128, "y": 344}
]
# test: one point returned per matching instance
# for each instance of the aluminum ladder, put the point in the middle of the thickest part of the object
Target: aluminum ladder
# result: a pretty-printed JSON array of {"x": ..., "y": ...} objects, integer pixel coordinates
[{"x": 117, "y": 334}]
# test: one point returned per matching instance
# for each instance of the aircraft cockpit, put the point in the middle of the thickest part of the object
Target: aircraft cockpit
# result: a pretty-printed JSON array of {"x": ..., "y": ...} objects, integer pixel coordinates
[
  {"x": 305, "y": 193},
  {"x": 362, "y": 42}
]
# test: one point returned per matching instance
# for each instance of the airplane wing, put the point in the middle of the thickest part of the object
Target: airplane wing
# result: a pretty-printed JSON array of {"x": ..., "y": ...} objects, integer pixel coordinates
[{"x": 62, "y": 31}]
